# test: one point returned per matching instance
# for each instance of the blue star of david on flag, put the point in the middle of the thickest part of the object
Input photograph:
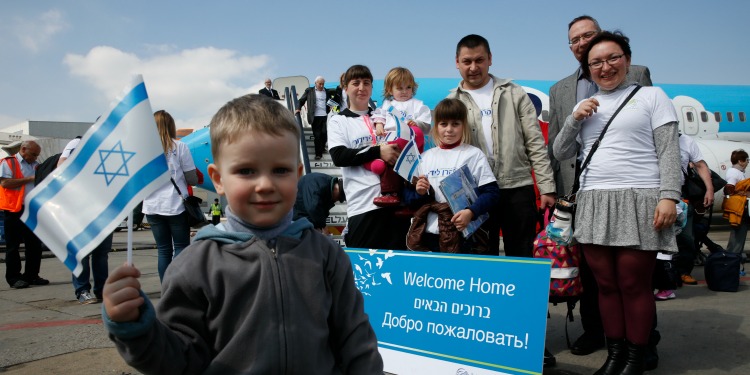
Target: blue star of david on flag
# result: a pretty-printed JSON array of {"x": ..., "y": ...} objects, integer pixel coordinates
[
  {"x": 407, "y": 164},
  {"x": 114, "y": 162}
]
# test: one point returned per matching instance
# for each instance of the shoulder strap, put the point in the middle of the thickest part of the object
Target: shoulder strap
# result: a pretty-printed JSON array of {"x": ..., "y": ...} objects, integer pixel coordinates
[
  {"x": 175, "y": 186},
  {"x": 576, "y": 182}
]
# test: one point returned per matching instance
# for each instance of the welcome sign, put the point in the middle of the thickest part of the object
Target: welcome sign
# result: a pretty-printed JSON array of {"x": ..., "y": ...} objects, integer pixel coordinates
[{"x": 437, "y": 313}]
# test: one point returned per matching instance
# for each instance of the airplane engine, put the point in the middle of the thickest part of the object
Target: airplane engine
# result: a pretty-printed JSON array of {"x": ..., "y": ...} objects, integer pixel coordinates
[{"x": 199, "y": 143}]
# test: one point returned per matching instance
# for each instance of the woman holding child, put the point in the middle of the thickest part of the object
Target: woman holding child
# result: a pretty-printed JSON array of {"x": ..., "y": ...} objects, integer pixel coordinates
[
  {"x": 352, "y": 143},
  {"x": 626, "y": 202}
]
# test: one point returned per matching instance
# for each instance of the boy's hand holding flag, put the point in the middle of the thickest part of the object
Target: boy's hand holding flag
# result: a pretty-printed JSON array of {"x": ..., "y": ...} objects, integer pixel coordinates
[{"x": 118, "y": 163}]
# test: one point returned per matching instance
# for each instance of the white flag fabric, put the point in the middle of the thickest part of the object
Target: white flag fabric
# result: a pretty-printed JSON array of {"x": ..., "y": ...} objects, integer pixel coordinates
[
  {"x": 402, "y": 127},
  {"x": 116, "y": 165},
  {"x": 407, "y": 165}
]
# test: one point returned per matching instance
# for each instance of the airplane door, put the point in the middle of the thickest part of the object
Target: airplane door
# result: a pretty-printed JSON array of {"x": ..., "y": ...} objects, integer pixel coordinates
[{"x": 689, "y": 120}]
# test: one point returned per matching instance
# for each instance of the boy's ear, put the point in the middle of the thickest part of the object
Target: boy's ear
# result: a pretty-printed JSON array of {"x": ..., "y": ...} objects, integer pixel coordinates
[
  {"x": 215, "y": 175},
  {"x": 299, "y": 170}
]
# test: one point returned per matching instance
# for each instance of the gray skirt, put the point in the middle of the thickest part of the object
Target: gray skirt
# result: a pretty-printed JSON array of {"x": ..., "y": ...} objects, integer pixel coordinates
[{"x": 621, "y": 217}]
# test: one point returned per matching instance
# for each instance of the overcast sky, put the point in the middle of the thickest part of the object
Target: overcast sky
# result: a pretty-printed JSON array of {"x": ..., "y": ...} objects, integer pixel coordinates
[{"x": 66, "y": 60}]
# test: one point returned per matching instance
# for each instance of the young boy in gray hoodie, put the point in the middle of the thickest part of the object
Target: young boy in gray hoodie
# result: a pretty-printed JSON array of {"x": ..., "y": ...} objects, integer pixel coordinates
[{"x": 258, "y": 294}]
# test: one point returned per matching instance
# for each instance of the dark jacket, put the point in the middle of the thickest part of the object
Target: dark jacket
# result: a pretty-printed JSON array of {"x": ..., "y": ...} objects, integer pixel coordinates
[
  {"x": 309, "y": 98},
  {"x": 272, "y": 93},
  {"x": 233, "y": 304},
  {"x": 314, "y": 198}
]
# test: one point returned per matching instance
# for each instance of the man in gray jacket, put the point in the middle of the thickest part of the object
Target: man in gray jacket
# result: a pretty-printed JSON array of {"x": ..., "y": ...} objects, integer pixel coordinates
[{"x": 504, "y": 125}]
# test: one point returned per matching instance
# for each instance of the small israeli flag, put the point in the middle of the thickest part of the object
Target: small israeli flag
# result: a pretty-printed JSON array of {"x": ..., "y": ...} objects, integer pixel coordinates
[
  {"x": 407, "y": 165},
  {"x": 118, "y": 163},
  {"x": 402, "y": 128}
]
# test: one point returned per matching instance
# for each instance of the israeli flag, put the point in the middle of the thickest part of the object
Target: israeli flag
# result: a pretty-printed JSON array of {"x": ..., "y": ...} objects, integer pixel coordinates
[
  {"x": 118, "y": 163},
  {"x": 407, "y": 165},
  {"x": 402, "y": 127}
]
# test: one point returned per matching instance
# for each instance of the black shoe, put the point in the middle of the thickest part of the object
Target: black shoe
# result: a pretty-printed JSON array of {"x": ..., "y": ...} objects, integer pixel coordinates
[
  {"x": 652, "y": 356},
  {"x": 318, "y": 157},
  {"x": 39, "y": 281},
  {"x": 549, "y": 359},
  {"x": 587, "y": 344},
  {"x": 20, "y": 284}
]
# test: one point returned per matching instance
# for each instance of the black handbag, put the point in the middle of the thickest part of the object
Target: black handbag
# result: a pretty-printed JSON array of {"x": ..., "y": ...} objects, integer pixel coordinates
[
  {"x": 694, "y": 189},
  {"x": 196, "y": 218},
  {"x": 560, "y": 229}
]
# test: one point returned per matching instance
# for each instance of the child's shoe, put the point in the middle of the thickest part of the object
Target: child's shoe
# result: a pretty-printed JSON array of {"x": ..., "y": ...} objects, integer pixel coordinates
[
  {"x": 664, "y": 295},
  {"x": 387, "y": 200}
]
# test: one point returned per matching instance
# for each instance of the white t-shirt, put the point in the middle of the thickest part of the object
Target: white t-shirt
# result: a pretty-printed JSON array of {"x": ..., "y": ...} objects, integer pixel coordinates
[
  {"x": 165, "y": 200},
  {"x": 320, "y": 103},
  {"x": 626, "y": 157},
  {"x": 438, "y": 163},
  {"x": 70, "y": 147},
  {"x": 360, "y": 185},
  {"x": 483, "y": 98},
  {"x": 412, "y": 109},
  {"x": 689, "y": 152},
  {"x": 734, "y": 176}
]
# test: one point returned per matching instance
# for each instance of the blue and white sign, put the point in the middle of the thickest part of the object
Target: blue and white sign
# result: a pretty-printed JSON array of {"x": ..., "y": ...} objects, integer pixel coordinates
[{"x": 437, "y": 313}]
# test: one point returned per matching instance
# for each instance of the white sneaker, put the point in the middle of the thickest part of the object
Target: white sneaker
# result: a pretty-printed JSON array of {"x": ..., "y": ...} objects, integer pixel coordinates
[{"x": 86, "y": 298}]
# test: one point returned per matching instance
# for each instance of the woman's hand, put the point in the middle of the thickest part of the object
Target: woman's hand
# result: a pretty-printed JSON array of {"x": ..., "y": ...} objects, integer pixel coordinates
[
  {"x": 586, "y": 109},
  {"x": 389, "y": 153},
  {"x": 462, "y": 219},
  {"x": 665, "y": 214},
  {"x": 423, "y": 185}
]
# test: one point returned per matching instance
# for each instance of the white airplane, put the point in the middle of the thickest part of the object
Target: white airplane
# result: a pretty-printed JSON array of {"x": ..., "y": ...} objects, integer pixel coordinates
[{"x": 714, "y": 115}]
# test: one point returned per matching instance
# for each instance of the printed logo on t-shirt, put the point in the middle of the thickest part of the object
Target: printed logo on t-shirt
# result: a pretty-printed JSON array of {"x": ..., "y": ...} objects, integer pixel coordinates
[
  {"x": 438, "y": 172},
  {"x": 362, "y": 141},
  {"x": 487, "y": 112}
]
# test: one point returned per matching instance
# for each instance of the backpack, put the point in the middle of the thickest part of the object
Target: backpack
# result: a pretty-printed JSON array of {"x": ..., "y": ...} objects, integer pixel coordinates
[
  {"x": 722, "y": 271},
  {"x": 46, "y": 168},
  {"x": 565, "y": 279}
]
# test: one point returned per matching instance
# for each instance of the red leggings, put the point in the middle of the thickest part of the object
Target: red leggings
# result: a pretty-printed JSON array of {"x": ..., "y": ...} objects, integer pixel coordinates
[{"x": 626, "y": 300}]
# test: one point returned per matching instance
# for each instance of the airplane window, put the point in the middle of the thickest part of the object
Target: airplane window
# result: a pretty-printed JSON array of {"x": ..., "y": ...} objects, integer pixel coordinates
[
  {"x": 690, "y": 117},
  {"x": 742, "y": 116},
  {"x": 545, "y": 115},
  {"x": 730, "y": 116},
  {"x": 717, "y": 116},
  {"x": 704, "y": 116}
]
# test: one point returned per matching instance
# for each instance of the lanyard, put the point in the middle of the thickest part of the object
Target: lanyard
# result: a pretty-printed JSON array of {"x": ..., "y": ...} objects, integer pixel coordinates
[{"x": 368, "y": 123}]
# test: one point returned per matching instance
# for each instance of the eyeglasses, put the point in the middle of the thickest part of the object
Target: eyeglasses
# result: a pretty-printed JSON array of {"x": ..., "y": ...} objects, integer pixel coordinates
[
  {"x": 610, "y": 61},
  {"x": 583, "y": 37}
]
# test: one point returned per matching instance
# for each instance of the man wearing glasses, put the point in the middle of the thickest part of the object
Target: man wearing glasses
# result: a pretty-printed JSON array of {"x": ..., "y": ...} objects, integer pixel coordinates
[{"x": 563, "y": 96}]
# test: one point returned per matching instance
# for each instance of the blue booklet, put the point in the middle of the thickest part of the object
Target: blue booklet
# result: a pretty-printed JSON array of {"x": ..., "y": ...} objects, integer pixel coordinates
[{"x": 459, "y": 189}]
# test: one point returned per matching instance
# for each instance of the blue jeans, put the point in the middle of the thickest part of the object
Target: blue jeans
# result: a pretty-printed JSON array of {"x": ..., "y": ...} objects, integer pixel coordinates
[
  {"x": 100, "y": 267},
  {"x": 172, "y": 234}
]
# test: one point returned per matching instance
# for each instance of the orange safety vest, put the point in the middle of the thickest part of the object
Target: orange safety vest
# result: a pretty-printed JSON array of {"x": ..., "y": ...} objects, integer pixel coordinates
[{"x": 12, "y": 199}]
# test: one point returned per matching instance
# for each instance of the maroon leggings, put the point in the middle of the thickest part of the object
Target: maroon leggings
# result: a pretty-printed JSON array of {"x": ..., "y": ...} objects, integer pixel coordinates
[{"x": 626, "y": 300}]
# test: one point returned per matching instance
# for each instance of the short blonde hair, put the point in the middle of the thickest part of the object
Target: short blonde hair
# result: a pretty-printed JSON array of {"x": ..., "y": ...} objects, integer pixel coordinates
[
  {"x": 452, "y": 109},
  {"x": 396, "y": 76},
  {"x": 250, "y": 113}
]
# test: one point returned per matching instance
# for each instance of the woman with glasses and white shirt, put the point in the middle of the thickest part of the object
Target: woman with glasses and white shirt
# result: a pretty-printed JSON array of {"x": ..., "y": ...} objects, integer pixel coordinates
[{"x": 627, "y": 197}]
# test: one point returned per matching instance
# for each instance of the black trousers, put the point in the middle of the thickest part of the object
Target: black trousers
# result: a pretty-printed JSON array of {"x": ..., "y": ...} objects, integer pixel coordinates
[
  {"x": 320, "y": 134},
  {"x": 377, "y": 229},
  {"x": 15, "y": 233},
  {"x": 517, "y": 215}
]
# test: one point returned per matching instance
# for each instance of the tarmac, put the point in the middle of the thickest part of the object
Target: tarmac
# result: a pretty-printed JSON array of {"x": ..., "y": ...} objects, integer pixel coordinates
[{"x": 44, "y": 330}]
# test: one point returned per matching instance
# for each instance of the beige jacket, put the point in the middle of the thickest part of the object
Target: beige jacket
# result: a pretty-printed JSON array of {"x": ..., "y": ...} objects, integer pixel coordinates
[{"x": 519, "y": 144}]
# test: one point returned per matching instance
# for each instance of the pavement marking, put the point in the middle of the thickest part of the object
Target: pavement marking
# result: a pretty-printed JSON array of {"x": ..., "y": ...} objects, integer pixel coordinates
[{"x": 57, "y": 323}]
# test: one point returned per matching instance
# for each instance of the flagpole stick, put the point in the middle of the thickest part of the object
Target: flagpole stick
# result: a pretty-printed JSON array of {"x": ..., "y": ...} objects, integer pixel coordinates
[{"x": 130, "y": 240}]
